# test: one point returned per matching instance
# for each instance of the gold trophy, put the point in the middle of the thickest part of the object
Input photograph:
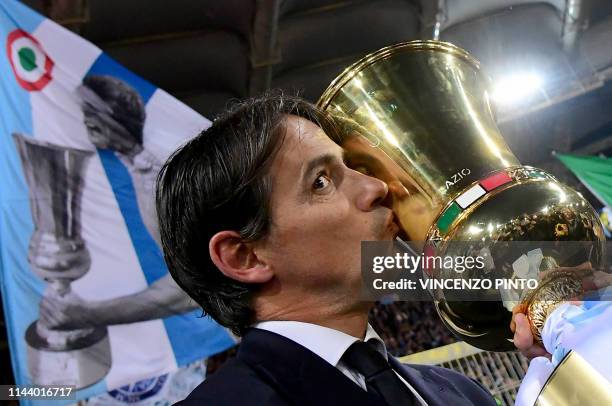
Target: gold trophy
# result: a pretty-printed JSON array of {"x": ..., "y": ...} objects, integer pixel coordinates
[{"x": 417, "y": 115}]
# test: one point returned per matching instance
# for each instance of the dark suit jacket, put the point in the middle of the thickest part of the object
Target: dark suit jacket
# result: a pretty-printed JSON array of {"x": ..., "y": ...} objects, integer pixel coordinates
[{"x": 273, "y": 370}]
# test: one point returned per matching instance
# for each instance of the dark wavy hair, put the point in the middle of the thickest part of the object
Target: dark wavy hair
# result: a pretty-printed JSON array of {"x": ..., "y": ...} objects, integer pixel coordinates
[{"x": 218, "y": 181}]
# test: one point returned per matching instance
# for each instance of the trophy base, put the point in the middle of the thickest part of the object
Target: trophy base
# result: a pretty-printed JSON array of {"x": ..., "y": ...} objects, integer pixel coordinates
[{"x": 82, "y": 364}]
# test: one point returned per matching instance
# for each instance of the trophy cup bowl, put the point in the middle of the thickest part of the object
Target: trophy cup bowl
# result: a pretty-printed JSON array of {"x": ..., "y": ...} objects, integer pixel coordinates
[{"x": 58, "y": 254}]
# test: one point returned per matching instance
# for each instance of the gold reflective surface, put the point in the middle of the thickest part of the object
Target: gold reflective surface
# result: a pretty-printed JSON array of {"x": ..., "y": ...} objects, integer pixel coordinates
[
  {"x": 425, "y": 106},
  {"x": 531, "y": 210},
  {"x": 575, "y": 382},
  {"x": 417, "y": 116}
]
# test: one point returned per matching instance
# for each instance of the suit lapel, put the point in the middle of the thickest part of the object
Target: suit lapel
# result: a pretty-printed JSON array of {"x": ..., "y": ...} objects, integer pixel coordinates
[
  {"x": 301, "y": 376},
  {"x": 436, "y": 391},
  {"x": 425, "y": 388}
]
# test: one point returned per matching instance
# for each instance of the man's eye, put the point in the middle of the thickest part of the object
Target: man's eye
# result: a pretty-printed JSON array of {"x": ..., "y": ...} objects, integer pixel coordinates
[{"x": 321, "y": 182}]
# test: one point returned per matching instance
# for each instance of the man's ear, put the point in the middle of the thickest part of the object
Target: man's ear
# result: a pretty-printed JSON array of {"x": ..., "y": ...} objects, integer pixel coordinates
[{"x": 236, "y": 259}]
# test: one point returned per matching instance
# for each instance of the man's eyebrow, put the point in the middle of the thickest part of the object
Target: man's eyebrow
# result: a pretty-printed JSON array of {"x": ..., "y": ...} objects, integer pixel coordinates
[
  {"x": 317, "y": 162},
  {"x": 359, "y": 156}
]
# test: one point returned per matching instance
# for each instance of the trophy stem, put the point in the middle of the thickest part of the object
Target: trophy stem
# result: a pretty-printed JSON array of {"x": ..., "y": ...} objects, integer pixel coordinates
[
  {"x": 61, "y": 286},
  {"x": 555, "y": 289}
]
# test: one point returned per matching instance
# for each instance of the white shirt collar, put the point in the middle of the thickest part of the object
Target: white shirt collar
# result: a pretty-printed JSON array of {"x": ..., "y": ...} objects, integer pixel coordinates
[{"x": 327, "y": 343}]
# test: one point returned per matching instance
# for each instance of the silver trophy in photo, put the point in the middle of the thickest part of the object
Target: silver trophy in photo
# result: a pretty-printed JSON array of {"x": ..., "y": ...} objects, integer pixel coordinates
[{"x": 58, "y": 254}]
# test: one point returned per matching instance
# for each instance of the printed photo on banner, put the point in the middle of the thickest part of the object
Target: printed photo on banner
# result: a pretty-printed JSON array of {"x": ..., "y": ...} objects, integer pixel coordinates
[{"x": 87, "y": 296}]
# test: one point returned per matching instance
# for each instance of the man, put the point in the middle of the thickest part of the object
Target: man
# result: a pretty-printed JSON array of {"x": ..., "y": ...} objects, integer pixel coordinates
[{"x": 261, "y": 223}]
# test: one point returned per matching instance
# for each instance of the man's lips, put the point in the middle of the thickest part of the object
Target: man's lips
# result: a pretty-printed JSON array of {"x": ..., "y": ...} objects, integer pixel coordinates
[{"x": 393, "y": 223}]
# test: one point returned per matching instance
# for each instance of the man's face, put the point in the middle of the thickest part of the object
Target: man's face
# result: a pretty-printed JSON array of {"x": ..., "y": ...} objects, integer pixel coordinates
[{"x": 321, "y": 211}]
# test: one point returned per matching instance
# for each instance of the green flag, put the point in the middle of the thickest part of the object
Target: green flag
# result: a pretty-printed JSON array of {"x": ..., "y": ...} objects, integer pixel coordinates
[{"x": 594, "y": 172}]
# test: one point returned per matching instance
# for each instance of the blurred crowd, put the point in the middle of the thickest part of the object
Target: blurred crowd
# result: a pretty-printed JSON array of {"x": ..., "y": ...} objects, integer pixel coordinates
[{"x": 409, "y": 327}]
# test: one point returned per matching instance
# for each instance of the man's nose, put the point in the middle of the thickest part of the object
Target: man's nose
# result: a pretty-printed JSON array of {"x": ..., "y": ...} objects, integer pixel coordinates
[{"x": 371, "y": 192}]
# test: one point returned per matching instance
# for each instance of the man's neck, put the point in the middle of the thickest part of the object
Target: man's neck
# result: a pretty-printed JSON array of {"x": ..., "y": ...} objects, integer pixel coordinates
[
  {"x": 351, "y": 320},
  {"x": 354, "y": 325}
]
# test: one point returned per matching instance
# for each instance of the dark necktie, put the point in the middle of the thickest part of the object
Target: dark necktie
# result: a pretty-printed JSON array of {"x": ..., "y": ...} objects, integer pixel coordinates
[{"x": 379, "y": 376}]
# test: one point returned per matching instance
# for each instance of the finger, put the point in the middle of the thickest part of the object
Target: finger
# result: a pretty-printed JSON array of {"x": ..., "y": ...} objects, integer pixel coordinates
[
  {"x": 595, "y": 281},
  {"x": 602, "y": 279},
  {"x": 50, "y": 308},
  {"x": 536, "y": 351},
  {"x": 583, "y": 268},
  {"x": 44, "y": 314},
  {"x": 523, "y": 339},
  {"x": 49, "y": 319},
  {"x": 51, "y": 293},
  {"x": 589, "y": 283},
  {"x": 519, "y": 308}
]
